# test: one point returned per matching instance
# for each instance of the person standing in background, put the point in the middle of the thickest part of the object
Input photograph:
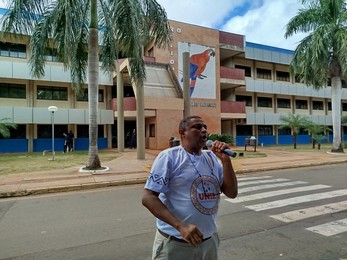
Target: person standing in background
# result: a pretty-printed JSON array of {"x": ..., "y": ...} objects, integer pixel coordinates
[
  {"x": 66, "y": 143},
  {"x": 133, "y": 140},
  {"x": 71, "y": 143}
]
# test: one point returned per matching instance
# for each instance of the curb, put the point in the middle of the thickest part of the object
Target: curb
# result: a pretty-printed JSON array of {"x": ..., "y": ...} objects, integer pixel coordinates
[{"x": 89, "y": 186}]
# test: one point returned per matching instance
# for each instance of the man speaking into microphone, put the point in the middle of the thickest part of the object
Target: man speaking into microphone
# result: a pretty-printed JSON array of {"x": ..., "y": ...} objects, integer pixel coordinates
[{"x": 183, "y": 192}]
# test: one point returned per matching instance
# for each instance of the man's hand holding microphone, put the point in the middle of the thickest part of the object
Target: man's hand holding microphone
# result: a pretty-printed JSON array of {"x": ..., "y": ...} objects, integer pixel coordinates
[{"x": 217, "y": 146}]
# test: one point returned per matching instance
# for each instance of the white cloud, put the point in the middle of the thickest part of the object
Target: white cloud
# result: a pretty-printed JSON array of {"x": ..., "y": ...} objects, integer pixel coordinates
[
  {"x": 263, "y": 23},
  {"x": 205, "y": 13}
]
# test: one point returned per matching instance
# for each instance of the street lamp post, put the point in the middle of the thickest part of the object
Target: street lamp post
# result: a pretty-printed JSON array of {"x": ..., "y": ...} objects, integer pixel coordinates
[{"x": 52, "y": 109}]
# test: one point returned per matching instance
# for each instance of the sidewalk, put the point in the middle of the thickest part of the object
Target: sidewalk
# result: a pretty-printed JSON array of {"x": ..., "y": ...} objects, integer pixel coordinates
[{"x": 127, "y": 169}]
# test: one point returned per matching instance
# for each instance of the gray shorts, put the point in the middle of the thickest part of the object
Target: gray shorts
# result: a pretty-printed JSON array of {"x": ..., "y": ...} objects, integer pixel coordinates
[{"x": 167, "y": 249}]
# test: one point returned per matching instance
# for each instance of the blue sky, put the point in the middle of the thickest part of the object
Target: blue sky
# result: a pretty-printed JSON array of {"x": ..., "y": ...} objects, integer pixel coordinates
[{"x": 261, "y": 21}]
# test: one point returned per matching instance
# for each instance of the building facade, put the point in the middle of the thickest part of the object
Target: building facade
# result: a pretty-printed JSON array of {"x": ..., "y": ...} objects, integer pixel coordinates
[{"x": 237, "y": 87}]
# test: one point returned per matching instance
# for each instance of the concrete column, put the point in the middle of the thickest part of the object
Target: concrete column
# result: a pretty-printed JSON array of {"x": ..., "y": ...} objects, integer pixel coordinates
[
  {"x": 120, "y": 110},
  {"x": 140, "y": 121},
  {"x": 186, "y": 81},
  {"x": 30, "y": 136}
]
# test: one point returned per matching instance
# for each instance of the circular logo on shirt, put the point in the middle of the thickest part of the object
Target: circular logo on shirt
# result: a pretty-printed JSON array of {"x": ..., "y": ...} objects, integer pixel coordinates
[{"x": 205, "y": 194}]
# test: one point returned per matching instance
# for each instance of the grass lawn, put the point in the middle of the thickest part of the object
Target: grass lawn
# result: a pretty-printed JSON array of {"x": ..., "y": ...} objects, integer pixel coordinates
[{"x": 30, "y": 162}]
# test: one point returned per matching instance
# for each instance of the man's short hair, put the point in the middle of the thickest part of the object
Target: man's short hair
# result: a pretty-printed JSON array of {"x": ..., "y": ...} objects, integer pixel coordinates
[{"x": 184, "y": 121}]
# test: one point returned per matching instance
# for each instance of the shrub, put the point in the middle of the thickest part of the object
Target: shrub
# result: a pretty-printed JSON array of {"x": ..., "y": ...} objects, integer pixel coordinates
[{"x": 226, "y": 138}]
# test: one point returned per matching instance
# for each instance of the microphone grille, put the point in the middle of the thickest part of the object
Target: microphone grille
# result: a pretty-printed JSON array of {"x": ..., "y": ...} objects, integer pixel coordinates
[{"x": 209, "y": 143}]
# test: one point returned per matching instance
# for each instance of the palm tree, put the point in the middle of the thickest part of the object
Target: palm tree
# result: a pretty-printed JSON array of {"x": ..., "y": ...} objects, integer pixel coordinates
[
  {"x": 322, "y": 55},
  {"x": 294, "y": 122},
  {"x": 315, "y": 130},
  {"x": 5, "y": 127},
  {"x": 125, "y": 26}
]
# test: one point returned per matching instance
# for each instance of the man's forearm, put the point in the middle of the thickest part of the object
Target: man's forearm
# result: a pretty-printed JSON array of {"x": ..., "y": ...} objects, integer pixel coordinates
[
  {"x": 160, "y": 211},
  {"x": 230, "y": 187}
]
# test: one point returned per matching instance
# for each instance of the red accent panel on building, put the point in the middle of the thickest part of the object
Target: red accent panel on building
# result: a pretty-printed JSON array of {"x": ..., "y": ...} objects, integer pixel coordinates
[
  {"x": 149, "y": 59},
  {"x": 129, "y": 104},
  {"x": 232, "y": 39},
  {"x": 232, "y": 73},
  {"x": 233, "y": 107}
]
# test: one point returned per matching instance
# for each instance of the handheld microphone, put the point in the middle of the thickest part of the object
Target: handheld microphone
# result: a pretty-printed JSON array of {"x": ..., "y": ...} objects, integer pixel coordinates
[{"x": 229, "y": 152}]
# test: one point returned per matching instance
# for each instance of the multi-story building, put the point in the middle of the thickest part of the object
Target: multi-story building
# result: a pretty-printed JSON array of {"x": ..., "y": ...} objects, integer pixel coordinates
[{"x": 239, "y": 88}]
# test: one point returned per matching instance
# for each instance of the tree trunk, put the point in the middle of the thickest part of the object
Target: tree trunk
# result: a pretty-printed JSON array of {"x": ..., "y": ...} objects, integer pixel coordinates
[
  {"x": 294, "y": 140},
  {"x": 336, "y": 91},
  {"x": 93, "y": 91}
]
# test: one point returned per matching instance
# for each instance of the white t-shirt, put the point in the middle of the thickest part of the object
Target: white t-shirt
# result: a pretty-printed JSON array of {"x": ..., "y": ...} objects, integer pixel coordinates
[{"x": 189, "y": 186}]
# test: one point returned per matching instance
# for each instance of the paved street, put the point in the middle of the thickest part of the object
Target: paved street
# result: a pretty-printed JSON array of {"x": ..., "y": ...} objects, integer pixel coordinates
[{"x": 292, "y": 214}]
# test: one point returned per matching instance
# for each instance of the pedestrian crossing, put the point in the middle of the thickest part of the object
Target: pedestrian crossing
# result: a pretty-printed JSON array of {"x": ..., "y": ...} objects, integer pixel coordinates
[{"x": 271, "y": 190}]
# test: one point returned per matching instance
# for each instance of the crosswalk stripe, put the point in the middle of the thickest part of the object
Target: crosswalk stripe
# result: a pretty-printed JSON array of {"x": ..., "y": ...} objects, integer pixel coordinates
[
  {"x": 253, "y": 178},
  {"x": 276, "y": 193},
  {"x": 331, "y": 228},
  {"x": 270, "y": 186},
  {"x": 300, "y": 214},
  {"x": 261, "y": 181},
  {"x": 297, "y": 200}
]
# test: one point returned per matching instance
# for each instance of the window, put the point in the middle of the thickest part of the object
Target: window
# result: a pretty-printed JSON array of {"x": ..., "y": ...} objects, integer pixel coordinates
[
  {"x": 51, "y": 93},
  {"x": 8, "y": 90},
  {"x": 301, "y": 104},
  {"x": 8, "y": 49},
  {"x": 51, "y": 55},
  {"x": 264, "y": 130},
  {"x": 283, "y": 103},
  {"x": 246, "y": 69},
  {"x": 282, "y": 76},
  {"x": 45, "y": 131},
  {"x": 284, "y": 131},
  {"x": 244, "y": 130},
  {"x": 317, "y": 105},
  {"x": 344, "y": 106},
  {"x": 83, "y": 131},
  {"x": 151, "y": 130},
  {"x": 329, "y": 82},
  {"x": 246, "y": 99},
  {"x": 298, "y": 79},
  {"x": 303, "y": 131},
  {"x": 264, "y": 102},
  {"x": 263, "y": 73},
  {"x": 329, "y": 106},
  {"x": 83, "y": 96},
  {"x": 18, "y": 133}
]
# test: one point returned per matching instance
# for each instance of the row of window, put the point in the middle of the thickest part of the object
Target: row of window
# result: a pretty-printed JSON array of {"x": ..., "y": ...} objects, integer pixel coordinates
[
  {"x": 286, "y": 103},
  {"x": 280, "y": 75},
  {"x": 13, "y": 50},
  {"x": 247, "y": 130},
  {"x": 8, "y": 90},
  {"x": 45, "y": 131}
]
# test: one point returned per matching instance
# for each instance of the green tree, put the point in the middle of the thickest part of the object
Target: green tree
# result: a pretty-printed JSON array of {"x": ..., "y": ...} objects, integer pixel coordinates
[
  {"x": 72, "y": 29},
  {"x": 315, "y": 130},
  {"x": 5, "y": 127},
  {"x": 294, "y": 122},
  {"x": 322, "y": 55}
]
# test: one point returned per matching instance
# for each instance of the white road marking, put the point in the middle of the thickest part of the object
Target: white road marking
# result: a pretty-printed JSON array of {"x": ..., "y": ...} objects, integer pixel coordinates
[
  {"x": 253, "y": 178},
  {"x": 301, "y": 214},
  {"x": 261, "y": 181},
  {"x": 331, "y": 228},
  {"x": 276, "y": 193},
  {"x": 297, "y": 200},
  {"x": 270, "y": 186}
]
